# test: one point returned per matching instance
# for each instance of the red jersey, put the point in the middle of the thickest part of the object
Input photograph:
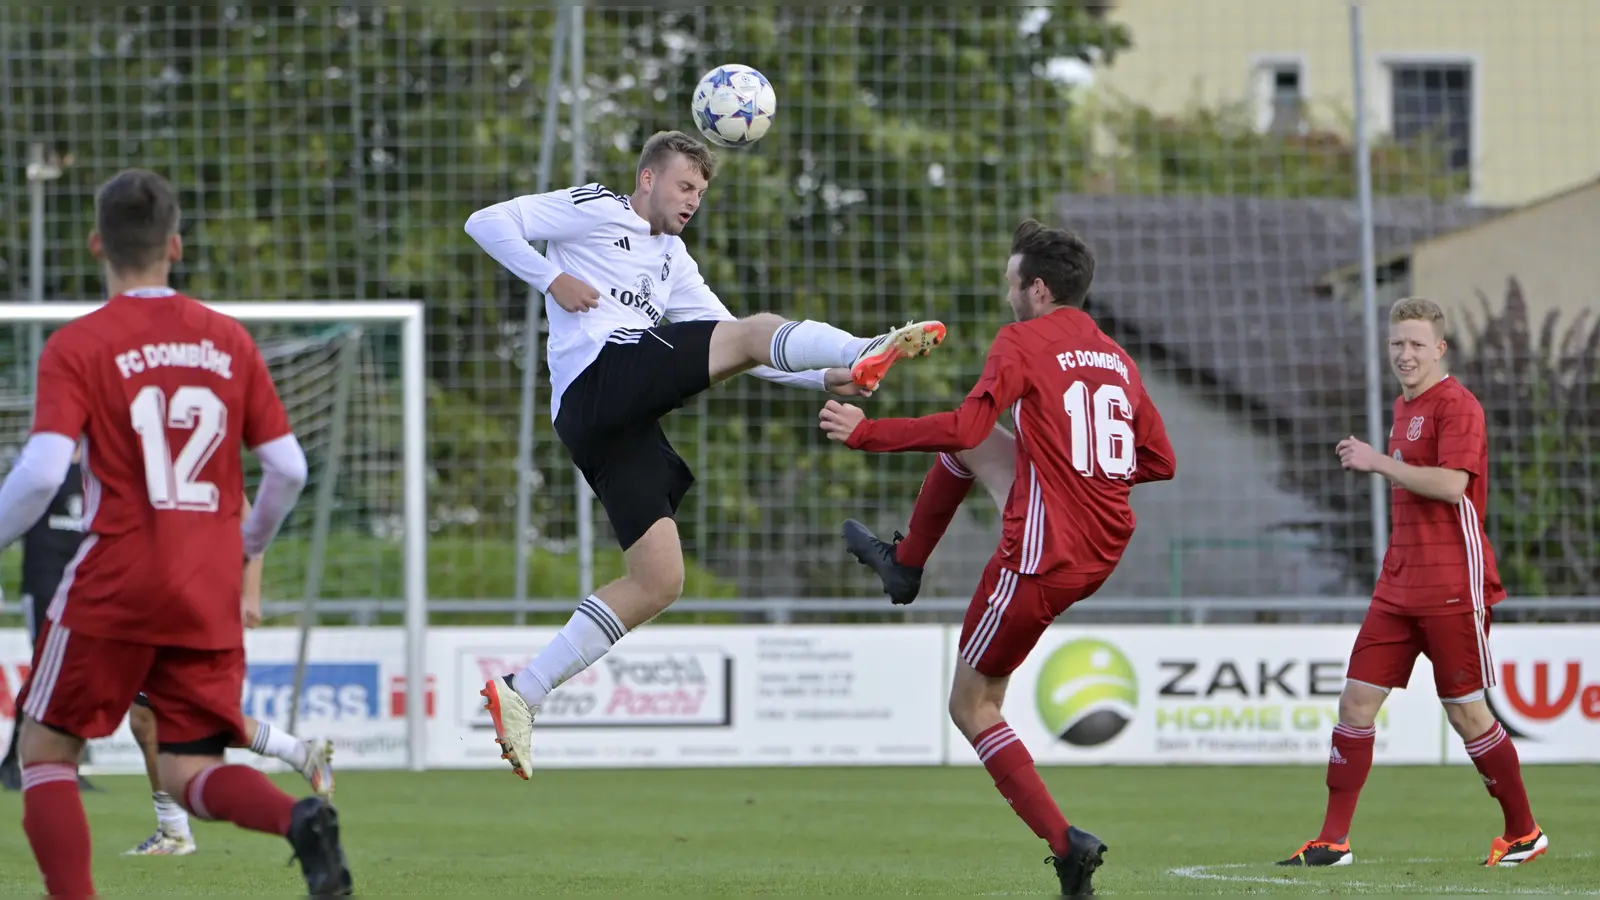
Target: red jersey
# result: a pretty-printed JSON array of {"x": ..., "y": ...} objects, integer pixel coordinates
[
  {"x": 1439, "y": 558},
  {"x": 1086, "y": 433},
  {"x": 160, "y": 392}
]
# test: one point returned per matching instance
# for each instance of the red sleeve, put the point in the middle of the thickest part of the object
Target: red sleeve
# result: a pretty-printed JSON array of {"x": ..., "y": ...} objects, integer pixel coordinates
[
  {"x": 1001, "y": 384},
  {"x": 1155, "y": 460},
  {"x": 61, "y": 404},
  {"x": 1463, "y": 444},
  {"x": 265, "y": 418}
]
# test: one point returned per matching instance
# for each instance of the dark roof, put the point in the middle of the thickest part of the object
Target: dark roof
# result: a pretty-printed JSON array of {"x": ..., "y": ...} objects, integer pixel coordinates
[
  {"x": 1222, "y": 292},
  {"x": 1224, "y": 286}
]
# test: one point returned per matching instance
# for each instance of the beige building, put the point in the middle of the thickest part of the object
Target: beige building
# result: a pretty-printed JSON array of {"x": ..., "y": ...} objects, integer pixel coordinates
[
  {"x": 1548, "y": 246},
  {"x": 1513, "y": 86}
]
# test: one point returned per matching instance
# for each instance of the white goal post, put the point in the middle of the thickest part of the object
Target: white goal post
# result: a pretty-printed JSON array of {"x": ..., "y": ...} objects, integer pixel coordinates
[{"x": 309, "y": 337}]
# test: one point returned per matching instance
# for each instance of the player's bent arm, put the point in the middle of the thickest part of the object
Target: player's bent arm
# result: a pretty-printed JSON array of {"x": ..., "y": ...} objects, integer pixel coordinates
[
  {"x": 949, "y": 432},
  {"x": 811, "y": 379},
  {"x": 1444, "y": 485},
  {"x": 504, "y": 231},
  {"x": 33, "y": 482},
  {"x": 283, "y": 475}
]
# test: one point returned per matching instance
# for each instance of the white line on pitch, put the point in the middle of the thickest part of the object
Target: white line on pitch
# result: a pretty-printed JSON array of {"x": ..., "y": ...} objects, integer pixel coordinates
[{"x": 1206, "y": 873}]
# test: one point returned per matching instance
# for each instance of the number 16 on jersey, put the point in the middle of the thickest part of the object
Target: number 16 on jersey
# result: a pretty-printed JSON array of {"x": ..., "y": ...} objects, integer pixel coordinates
[{"x": 1102, "y": 430}]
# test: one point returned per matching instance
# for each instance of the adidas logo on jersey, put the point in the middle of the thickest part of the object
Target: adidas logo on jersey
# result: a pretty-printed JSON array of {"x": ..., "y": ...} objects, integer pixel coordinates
[{"x": 623, "y": 243}]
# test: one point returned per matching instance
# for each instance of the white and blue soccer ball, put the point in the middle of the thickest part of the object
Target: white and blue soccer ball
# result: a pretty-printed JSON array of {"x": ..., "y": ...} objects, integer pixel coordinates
[{"x": 733, "y": 105}]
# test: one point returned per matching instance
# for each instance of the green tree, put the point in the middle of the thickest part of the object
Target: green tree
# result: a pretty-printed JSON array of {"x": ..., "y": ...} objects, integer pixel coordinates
[
  {"x": 333, "y": 153},
  {"x": 1540, "y": 390}
]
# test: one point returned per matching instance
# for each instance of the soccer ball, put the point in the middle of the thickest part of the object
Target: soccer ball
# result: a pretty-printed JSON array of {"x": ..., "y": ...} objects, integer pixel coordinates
[{"x": 733, "y": 105}]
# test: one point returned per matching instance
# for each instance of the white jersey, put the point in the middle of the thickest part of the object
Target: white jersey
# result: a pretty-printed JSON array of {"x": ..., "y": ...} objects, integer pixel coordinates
[{"x": 595, "y": 236}]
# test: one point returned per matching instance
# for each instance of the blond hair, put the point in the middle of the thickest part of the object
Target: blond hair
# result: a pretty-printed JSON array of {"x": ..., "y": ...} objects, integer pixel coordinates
[
  {"x": 663, "y": 145},
  {"x": 1418, "y": 309}
]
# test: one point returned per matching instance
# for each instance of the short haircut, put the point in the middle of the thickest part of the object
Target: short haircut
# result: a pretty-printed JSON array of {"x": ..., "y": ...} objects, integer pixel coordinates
[
  {"x": 1057, "y": 257},
  {"x": 1418, "y": 309},
  {"x": 663, "y": 145},
  {"x": 136, "y": 212}
]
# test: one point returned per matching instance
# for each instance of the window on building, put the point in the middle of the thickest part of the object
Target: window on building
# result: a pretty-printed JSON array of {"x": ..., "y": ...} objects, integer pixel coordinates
[
  {"x": 1280, "y": 98},
  {"x": 1433, "y": 102}
]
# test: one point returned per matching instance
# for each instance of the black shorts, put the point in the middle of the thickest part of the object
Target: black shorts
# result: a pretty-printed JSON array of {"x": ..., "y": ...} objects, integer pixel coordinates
[{"x": 610, "y": 420}]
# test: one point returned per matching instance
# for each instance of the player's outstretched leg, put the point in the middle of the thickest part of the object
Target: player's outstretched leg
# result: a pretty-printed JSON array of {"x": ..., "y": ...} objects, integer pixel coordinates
[
  {"x": 1349, "y": 763},
  {"x": 788, "y": 346},
  {"x": 172, "y": 836},
  {"x": 312, "y": 757},
  {"x": 1495, "y": 757}
]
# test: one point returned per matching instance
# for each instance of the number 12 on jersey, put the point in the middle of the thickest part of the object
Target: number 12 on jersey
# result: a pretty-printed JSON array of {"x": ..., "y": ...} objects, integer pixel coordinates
[
  {"x": 1102, "y": 430},
  {"x": 176, "y": 484}
]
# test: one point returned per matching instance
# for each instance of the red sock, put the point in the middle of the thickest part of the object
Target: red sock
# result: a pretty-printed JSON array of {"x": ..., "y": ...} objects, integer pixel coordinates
[
  {"x": 241, "y": 795},
  {"x": 1348, "y": 764},
  {"x": 1496, "y": 758},
  {"x": 1011, "y": 767},
  {"x": 945, "y": 486},
  {"x": 52, "y": 815}
]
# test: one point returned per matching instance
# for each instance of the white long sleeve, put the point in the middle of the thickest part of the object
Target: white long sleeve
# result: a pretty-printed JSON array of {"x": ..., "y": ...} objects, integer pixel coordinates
[
  {"x": 505, "y": 231},
  {"x": 283, "y": 476},
  {"x": 32, "y": 484}
]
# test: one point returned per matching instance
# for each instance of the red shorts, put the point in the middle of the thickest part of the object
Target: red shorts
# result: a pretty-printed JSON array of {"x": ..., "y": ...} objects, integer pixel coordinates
[
  {"x": 83, "y": 686},
  {"x": 1007, "y": 615},
  {"x": 1456, "y": 643}
]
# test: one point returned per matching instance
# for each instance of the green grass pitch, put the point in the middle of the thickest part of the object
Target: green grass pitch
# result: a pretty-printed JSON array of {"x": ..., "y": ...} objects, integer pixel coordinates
[{"x": 858, "y": 831}]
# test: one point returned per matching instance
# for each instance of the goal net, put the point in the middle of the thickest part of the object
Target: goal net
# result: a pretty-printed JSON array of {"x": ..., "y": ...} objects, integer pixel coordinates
[{"x": 341, "y": 584}]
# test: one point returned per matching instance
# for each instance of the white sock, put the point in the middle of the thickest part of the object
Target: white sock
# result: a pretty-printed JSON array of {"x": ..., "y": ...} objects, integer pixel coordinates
[
  {"x": 278, "y": 744},
  {"x": 801, "y": 346},
  {"x": 169, "y": 815},
  {"x": 591, "y": 631}
]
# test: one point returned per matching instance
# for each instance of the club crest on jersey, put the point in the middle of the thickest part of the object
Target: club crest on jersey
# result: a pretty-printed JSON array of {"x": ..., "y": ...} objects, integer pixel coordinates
[
  {"x": 1396, "y": 455},
  {"x": 1414, "y": 430},
  {"x": 666, "y": 266}
]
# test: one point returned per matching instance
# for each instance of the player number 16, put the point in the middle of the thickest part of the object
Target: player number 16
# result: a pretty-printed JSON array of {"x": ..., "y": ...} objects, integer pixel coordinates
[
  {"x": 1102, "y": 430},
  {"x": 175, "y": 483}
]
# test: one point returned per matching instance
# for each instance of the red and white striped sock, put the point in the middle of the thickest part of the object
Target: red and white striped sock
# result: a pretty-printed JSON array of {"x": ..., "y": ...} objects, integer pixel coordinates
[
  {"x": 1349, "y": 763},
  {"x": 58, "y": 831},
  {"x": 1496, "y": 758},
  {"x": 944, "y": 487},
  {"x": 1011, "y": 766}
]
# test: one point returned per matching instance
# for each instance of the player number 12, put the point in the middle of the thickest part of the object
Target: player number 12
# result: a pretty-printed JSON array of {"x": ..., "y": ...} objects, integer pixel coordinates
[
  {"x": 175, "y": 483},
  {"x": 1102, "y": 430}
]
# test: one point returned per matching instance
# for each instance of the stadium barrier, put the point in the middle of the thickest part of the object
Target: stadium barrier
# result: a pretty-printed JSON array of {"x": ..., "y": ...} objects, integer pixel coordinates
[{"x": 875, "y": 695}]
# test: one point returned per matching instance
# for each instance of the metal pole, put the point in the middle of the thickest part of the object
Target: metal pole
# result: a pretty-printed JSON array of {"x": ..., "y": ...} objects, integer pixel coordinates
[
  {"x": 580, "y": 165},
  {"x": 531, "y": 320},
  {"x": 322, "y": 513},
  {"x": 1378, "y": 435},
  {"x": 413, "y": 443},
  {"x": 41, "y": 168}
]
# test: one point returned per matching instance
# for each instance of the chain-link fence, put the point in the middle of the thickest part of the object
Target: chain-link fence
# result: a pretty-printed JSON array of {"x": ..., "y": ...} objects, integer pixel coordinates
[{"x": 1202, "y": 148}]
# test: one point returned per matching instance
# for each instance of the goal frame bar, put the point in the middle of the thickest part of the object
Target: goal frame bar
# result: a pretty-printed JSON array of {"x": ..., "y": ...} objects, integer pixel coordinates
[{"x": 408, "y": 314}]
